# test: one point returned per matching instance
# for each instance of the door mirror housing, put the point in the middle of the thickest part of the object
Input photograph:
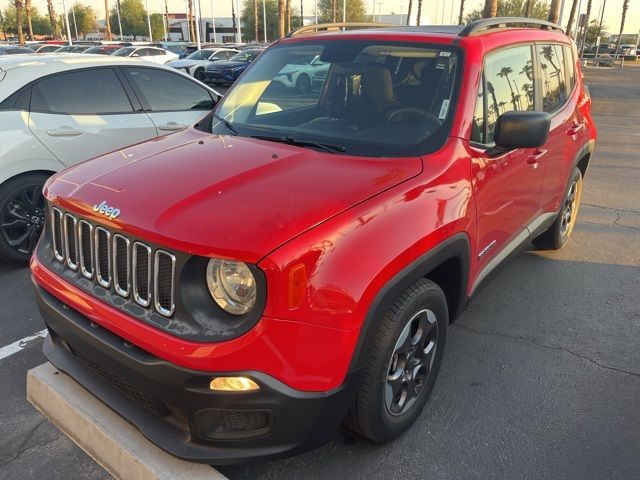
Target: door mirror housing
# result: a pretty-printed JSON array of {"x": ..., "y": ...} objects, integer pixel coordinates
[{"x": 522, "y": 129}]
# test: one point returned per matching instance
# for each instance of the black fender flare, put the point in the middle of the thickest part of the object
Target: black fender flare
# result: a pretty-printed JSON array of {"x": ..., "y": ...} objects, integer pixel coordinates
[{"x": 457, "y": 246}]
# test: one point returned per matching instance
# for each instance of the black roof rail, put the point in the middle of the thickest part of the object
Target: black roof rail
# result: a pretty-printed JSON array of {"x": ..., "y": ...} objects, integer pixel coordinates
[
  {"x": 498, "y": 22},
  {"x": 328, "y": 27}
]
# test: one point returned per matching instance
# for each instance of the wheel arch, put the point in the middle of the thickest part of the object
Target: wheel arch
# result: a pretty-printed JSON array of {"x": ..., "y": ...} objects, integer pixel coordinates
[
  {"x": 28, "y": 172},
  {"x": 447, "y": 265}
]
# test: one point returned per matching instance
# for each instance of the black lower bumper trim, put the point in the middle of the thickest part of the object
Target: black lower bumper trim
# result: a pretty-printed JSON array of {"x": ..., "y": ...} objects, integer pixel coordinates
[{"x": 173, "y": 407}]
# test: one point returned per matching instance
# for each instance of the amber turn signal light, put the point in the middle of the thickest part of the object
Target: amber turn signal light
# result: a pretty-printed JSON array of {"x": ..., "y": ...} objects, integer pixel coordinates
[{"x": 233, "y": 384}]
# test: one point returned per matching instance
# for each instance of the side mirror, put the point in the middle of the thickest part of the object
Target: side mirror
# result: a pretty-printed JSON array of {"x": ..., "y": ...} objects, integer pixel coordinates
[
  {"x": 522, "y": 129},
  {"x": 135, "y": 55}
]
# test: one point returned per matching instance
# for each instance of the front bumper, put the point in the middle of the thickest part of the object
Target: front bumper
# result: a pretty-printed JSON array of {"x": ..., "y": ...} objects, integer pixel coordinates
[
  {"x": 174, "y": 408},
  {"x": 224, "y": 77}
]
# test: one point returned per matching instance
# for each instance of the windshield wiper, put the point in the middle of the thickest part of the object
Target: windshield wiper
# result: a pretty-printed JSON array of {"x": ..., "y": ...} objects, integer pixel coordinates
[
  {"x": 226, "y": 123},
  {"x": 303, "y": 143}
]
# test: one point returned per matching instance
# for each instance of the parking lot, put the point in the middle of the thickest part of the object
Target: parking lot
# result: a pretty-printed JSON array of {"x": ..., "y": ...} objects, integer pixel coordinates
[{"x": 541, "y": 377}]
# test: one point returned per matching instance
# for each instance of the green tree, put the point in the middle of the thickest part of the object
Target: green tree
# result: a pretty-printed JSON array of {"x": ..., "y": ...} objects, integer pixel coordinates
[
  {"x": 625, "y": 7},
  {"x": 85, "y": 19},
  {"x": 157, "y": 29},
  {"x": 594, "y": 30},
  {"x": 248, "y": 20},
  {"x": 39, "y": 22},
  {"x": 356, "y": 11},
  {"x": 515, "y": 8},
  {"x": 133, "y": 17}
]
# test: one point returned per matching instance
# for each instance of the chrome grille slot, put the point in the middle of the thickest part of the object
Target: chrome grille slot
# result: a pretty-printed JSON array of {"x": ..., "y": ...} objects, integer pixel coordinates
[
  {"x": 85, "y": 248},
  {"x": 103, "y": 256},
  {"x": 121, "y": 265},
  {"x": 163, "y": 282},
  {"x": 71, "y": 241},
  {"x": 121, "y": 272},
  {"x": 141, "y": 274},
  {"x": 56, "y": 234}
]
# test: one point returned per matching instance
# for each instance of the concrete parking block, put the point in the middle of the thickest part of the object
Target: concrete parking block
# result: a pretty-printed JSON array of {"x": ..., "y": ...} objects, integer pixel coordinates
[{"x": 111, "y": 441}]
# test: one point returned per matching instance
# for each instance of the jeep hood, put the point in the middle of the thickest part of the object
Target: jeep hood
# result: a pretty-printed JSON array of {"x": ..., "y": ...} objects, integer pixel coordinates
[{"x": 223, "y": 196}]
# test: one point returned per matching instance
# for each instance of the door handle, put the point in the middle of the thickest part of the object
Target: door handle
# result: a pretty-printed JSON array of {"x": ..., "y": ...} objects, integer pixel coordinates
[
  {"x": 575, "y": 129},
  {"x": 172, "y": 126},
  {"x": 64, "y": 132},
  {"x": 534, "y": 159}
]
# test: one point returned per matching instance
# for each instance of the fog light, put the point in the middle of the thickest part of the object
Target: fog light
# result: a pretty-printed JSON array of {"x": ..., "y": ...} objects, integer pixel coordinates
[{"x": 233, "y": 384}]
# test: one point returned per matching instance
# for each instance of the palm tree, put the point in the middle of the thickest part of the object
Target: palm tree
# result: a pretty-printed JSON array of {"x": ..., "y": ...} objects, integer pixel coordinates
[
  {"x": 334, "y": 10},
  {"x": 281, "y": 18},
  {"x": 255, "y": 18},
  {"x": 460, "y": 17},
  {"x": 584, "y": 33},
  {"x": 106, "y": 13},
  {"x": 572, "y": 14},
  {"x": 18, "y": 4},
  {"x": 504, "y": 73},
  {"x": 27, "y": 9},
  {"x": 490, "y": 9},
  {"x": 408, "y": 12},
  {"x": 527, "y": 8},
  {"x": 287, "y": 8},
  {"x": 419, "y": 13},
  {"x": 52, "y": 19},
  {"x": 625, "y": 7},
  {"x": 554, "y": 11},
  {"x": 192, "y": 30}
]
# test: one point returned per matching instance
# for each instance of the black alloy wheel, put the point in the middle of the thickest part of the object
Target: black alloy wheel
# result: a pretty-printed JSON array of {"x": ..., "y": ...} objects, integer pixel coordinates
[{"x": 22, "y": 217}]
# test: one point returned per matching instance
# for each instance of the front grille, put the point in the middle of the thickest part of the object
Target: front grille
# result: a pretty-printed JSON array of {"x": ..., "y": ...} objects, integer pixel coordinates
[{"x": 115, "y": 262}]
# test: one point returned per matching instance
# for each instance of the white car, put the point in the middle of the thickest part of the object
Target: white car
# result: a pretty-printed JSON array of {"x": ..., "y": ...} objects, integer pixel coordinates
[
  {"x": 197, "y": 61},
  {"x": 58, "y": 110},
  {"x": 151, "y": 54},
  {"x": 303, "y": 74}
]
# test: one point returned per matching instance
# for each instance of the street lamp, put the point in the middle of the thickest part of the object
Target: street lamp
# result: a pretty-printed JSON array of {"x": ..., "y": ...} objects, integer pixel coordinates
[
  {"x": 264, "y": 21},
  {"x": 213, "y": 21},
  {"x": 66, "y": 22},
  {"x": 197, "y": 12},
  {"x": 146, "y": 4},
  {"x": 119, "y": 21}
]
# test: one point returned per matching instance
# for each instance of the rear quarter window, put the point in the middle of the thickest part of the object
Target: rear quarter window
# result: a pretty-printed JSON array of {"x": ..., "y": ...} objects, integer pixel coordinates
[{"x": 553, "y": 76}]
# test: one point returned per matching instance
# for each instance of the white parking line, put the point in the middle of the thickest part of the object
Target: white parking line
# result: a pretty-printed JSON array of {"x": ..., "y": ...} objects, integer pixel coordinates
[{"x": 18, "y": 345}]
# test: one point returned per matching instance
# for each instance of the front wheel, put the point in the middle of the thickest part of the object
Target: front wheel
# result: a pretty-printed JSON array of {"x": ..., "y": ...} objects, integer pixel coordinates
[
  {"x": 199, "y": 74},
  {"x": 22, "y": 216},
  {"x": 303, "y": 84},
  {"x": 403, "y": 364},
  {"x": 559, "y": 232}
]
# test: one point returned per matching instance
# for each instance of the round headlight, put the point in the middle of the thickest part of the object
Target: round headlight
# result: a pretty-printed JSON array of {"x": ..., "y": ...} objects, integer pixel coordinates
[{"x": 232, "y": 285}]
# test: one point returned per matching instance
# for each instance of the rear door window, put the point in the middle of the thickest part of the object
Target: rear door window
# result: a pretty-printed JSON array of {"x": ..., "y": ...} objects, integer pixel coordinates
[
  {"x": 94, "y": 91},
  {"x": 571, "y": 67},
  {"x": 509, "y": 84},
  {"x": 553, "y": 76},
  {"x": 167, "y": 91}
]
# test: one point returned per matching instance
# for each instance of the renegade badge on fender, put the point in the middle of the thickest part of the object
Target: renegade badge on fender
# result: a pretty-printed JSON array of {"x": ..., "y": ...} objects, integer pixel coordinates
[{"x": 293, "y": 262}]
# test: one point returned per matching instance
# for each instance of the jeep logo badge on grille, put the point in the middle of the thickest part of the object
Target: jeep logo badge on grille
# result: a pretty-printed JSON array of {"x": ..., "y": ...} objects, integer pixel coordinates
[{"x": 110, "y": 212}]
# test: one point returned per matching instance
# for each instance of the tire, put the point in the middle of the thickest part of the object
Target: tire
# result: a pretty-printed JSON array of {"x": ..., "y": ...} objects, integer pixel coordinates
[
  {"x": 199, "y": 74},
  {"x": 420, "y": 313},
  {"x": 303, "y": 84},
  {"x": 560, "y": 230},
  {"x": 22, "y": 216}
]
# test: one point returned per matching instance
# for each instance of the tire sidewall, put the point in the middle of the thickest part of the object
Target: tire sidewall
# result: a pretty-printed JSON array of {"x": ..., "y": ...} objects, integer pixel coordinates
[
  {"x": 432, "y": 298},
  {"x": 303, "y": 84},
  {"x": 560, "y": 239},
  {"x": 7, "y": 190}
]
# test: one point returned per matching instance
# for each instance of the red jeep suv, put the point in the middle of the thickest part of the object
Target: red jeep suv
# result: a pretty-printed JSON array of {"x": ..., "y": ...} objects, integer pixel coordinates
[{"x": 240, "y": 289}]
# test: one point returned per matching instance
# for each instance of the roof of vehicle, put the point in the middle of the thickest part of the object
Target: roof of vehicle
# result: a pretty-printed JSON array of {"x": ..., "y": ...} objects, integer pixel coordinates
[{"x": 41, "y": 64}]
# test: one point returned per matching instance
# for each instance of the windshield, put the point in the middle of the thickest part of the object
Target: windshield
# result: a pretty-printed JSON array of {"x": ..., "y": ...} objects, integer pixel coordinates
[
  {"x": 380, "y": 99},
  {"x": 124, "y": 52},
  {"x": 244, "y": 56},
  {"x": 200, "y": 55}
]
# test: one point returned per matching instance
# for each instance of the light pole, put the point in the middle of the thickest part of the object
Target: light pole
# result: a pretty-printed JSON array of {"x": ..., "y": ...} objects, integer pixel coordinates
[
  {"x": 66, "y": 22},
  {"x": 75, "y": 24},
  {"x": 315, "y": 8},
  {"x": 213, "y": 22},
  {"x": 344, "y": 11},
  {"x": 119, "y": 21},
  {"x": 146, "y": 4},
  {"x": 239, "y": 28},
  {"x": 264, "y": 20},
  {"x": 164, "y": 24},
  {"x": 197, "y": 12}
]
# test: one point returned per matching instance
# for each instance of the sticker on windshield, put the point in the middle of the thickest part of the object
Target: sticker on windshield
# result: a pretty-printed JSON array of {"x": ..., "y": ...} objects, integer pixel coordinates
[
  {"x": 444, "y": 109},
  {"x": 445, "y": 54}
]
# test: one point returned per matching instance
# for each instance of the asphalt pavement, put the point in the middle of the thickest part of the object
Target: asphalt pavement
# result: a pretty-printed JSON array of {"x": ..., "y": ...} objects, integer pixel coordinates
[{"x": 541, "y": 377}]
